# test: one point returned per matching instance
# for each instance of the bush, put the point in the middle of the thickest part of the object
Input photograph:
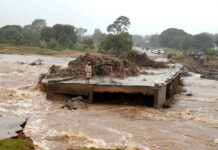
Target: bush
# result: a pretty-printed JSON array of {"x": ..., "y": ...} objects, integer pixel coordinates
[
  {"x": 16, "y": 144},
  {"x": 88, "y": 41},
  {"x": 36, "y": 42},
  {"x": 53, "y": 44},
  {"x": 211, "y": 52},
  {"x": 79, "y": 47}
]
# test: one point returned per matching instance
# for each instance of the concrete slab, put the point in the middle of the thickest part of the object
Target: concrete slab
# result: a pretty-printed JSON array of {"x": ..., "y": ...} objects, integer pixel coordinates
[
  {"x": 10, "y": 125},
  {"x": 151, "y": 82},
  {"x": 152, "y": 78}
]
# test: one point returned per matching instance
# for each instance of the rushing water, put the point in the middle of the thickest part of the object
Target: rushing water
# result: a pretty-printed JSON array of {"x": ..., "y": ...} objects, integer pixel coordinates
[{"x": 191, "y": 122}]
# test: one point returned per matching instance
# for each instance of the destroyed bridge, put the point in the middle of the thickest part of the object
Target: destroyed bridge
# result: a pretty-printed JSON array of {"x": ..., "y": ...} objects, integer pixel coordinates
[{"x": 152, "y": 88}]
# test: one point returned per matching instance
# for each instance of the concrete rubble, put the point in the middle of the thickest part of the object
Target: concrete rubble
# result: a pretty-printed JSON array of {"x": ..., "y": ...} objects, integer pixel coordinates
[{"x": 12, "y": 127}]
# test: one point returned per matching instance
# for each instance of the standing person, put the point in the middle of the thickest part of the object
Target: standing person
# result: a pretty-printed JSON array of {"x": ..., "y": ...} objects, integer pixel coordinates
[
  {"x": 201, "y": 59},
  {"x": 88, "y": 72}
]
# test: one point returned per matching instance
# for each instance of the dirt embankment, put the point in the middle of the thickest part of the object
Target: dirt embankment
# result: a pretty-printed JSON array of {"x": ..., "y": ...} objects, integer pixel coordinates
[
  {"x": 208, "y": 71},
  {"x": 31, "y": 50}
]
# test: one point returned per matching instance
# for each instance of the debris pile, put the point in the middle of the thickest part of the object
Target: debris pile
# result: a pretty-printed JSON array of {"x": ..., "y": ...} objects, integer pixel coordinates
[
  {"x": 75, "y": 103},
  {"x": 141, "y": 59},
  {"x": 37, "y": 62},
  {"x": 104, "y": 65},
  {"x": 206, "y": 71},
  {"x": 185, "y": 72}
]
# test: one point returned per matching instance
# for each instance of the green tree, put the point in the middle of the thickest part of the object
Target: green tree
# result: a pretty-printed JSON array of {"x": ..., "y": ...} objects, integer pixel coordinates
[
  {"x": 121, "y": 24},
  {"x": 33, "y": 30},
  {"x": 47, "y": 33},
  {"x": 11, "y": 34},
  {"x": 65, "y": 35},
  {"x": 80, "y": 32},
  {"x": 216, "y": 42},
  {"x": 53, "y": 44},
  {"x": 171, "y": 38},
  {"x": 153, "y": 40},
  {"x": 118, "y": 43},
  {"x": 28, "y": 33},
  {"x": 202, "y": 41},
  {"x": 211, "y": 52},
  {"x": 187, "y": 42},
  {"x": 17, "y": 39},
  {"x": 88, "y": 41},
  {"x": 36, "y": 41},
  {"x": 37, "y": 26},
  {"x": 98, "y": 36}
]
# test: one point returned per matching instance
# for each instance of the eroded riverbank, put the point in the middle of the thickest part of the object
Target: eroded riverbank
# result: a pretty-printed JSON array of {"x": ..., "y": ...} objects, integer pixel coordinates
[{"x": 191, "y": 122}]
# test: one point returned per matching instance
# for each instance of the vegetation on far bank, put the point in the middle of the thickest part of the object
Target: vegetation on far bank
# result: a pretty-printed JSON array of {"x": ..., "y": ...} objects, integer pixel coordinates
[
  {"x": 28, "y": 50},
  {"x": 62, "y": 39},
  {"x": 181, "y": 57},
  {"x": 16, "y": 144},
  {"x": 61, "y": 36}
]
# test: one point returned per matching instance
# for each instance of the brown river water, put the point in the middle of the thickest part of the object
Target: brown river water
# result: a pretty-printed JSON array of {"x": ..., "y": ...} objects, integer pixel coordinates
[{"x": 191, "y": 123}]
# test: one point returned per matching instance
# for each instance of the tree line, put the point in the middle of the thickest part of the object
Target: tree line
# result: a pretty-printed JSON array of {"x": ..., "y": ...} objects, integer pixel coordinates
[
  {"x": 61, "y": 36},
  {"x": 116, "y": 41},
  {"x": 178, "y": 39}
]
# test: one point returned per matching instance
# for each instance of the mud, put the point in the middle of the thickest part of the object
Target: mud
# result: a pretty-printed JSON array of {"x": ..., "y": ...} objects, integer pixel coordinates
[
  {"x": 206, "y": 71},
  {"x": 141, "y": 59},
  {"x": 191, "y": 122}
]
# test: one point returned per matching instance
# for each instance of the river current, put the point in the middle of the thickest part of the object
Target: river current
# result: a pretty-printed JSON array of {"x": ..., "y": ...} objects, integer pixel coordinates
[{"x": 191, "y": 122}]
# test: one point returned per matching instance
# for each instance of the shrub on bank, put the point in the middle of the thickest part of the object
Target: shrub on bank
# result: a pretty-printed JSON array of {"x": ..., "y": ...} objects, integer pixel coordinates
[{"x": 16, "y": 144}]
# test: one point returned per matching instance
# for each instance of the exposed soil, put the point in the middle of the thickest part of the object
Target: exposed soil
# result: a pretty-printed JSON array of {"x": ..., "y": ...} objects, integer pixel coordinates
[
  {"x": 140, "y": 59},
  {"x": 206, "y": 71}
]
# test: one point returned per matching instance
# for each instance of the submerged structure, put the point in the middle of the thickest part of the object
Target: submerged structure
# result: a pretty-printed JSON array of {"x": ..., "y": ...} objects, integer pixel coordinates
[{"x": 151, "y": 86}]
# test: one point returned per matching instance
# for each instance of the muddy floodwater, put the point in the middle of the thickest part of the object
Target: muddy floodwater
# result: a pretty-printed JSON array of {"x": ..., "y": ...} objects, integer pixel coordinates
[{"x": 191, "y": 123}]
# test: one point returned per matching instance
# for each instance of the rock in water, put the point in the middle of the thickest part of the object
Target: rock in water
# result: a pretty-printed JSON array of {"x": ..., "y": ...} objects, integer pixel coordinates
[
  {"x": 188, "y": 94},
  {"x": 75, "y": 103},
  {"x": 37, "y": 62},
  {"x": 166, "y": 105}
]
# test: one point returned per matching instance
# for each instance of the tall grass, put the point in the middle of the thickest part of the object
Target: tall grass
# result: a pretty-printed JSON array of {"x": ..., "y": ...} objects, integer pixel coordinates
[{"x": 21, "y": 49}]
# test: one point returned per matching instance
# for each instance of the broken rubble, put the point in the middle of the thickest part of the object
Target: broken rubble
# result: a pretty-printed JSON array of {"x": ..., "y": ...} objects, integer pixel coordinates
[{"x": 75, "y": 103}]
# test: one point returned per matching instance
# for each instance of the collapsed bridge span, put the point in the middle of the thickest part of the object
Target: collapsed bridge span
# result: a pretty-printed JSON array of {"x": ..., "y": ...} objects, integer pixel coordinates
[{"x": 153, "y": 85}]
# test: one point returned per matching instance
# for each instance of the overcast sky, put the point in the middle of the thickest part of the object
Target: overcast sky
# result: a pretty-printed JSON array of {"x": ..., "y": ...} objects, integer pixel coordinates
[{"x": 146, "y": 16}]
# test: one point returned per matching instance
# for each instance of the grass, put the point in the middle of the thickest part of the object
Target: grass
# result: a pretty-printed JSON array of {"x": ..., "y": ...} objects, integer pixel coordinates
[
  {"x": 26, "y": 50},
  {"x": 16, "y": 144},
  {"x": 215, "y": 58},
  {"x": 96, "y": 48},
  {"x": 187, "y": 60},
  {"x": 175, "y": 53},
  {"x": 3, "y": 45}
]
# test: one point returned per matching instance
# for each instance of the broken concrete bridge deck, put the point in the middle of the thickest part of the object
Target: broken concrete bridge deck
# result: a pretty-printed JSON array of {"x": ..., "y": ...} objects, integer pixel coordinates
[
  {"x": 10, "y": 126},
  {"x": 160, "y": 83}
]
